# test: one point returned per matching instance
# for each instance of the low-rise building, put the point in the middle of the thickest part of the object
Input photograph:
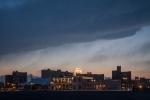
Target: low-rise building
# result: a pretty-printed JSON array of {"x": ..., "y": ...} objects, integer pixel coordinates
[
  {"x": 55, "y": 73},
  {"x": 1, "y": 85},
  {"x": 95, "y": 76}
]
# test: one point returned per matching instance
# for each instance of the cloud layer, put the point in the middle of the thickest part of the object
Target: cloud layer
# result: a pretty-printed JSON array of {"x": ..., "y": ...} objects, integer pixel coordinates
[
  {"x": 102, "y": 56},
  {"x": 39, "y": 24}
]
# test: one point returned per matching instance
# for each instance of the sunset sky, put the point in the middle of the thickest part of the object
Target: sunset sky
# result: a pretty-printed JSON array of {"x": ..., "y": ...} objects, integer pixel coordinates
[{"x": 94, "y": 35}]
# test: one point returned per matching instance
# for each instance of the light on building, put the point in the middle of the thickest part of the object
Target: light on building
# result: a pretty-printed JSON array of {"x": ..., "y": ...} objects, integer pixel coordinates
[
  {"x": 32, "y": 83},
  {"x": 77, "y": 71}
]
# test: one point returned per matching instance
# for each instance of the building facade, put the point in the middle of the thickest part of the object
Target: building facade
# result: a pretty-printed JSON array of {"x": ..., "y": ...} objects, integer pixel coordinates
[
  {"x": 19, "y": 77},
  {"x": 63, "y": 83},
  {"x": 79, "y": 83},
  {"x": 1, "y": 85},
  {"x": 9, "y": 81},
  {"x": 125, "y": 78},
  {"x": 95, "y": 76},
  {"x": 55, "y": 73}
]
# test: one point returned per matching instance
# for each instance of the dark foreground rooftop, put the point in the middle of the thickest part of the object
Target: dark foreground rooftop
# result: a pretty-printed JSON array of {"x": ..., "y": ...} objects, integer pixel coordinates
[{"x": 75, "y": 95}]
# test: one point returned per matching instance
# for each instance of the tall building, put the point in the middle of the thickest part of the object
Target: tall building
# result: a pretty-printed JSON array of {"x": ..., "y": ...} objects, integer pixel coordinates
[
  {"x": 9, "y": 81},
  {"x": 126, "y": 76},
  {"x": 55, "y": 73},
  {"x": 123, "y": 76},
  {"x": 19, "y": 77},
  {"x": 116, "y": 74}
]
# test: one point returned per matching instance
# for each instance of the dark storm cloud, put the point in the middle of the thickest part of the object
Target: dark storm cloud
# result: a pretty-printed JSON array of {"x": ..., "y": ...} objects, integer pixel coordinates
[{"x": 44, "y": 23}]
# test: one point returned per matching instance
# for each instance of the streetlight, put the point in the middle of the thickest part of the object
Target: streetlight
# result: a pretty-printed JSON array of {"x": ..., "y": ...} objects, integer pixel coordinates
[
  {"x": 93, "y": 85},
  {"x": 32, "y": 85}
]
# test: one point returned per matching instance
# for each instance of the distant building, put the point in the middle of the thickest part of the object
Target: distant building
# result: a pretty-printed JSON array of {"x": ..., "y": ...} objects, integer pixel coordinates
[
  {"x": 29, "y": 77},
  {"x": 19, "y": 77},
  {"x": 77, "y": 83},
  {"x": 95, "y": 76},
  {"x": 2, "y": 79},
  {"x": 125, "y": 77},
  {"x": 116, "y": 74},
  {"x": 1, "y": 85},
  {"x": 64, "y": 83},
  {"x": 145, "y": 83},
  {"x": 55, "y": 73},
  {"x": 37, "y": 84},
  {"x": 9, "y": 81},
  {"x": 84, "y": 83},
  {"x": 136, "y": 78}
]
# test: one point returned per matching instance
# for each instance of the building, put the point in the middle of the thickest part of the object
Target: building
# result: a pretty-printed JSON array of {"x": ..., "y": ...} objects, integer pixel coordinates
[
  {"x": 1, "y": 85},
  {"x": 63, "y": 83},
  {"x": 79, "y": 83},
  {"x": 145, "y": 83},
  {"x": 55, "y": 73},
  {"x": 125, "y": 78},
  {"x": 37, "y": 84},
  {"x": 116, "y": 74},
  {"x": 101, "y": 84},
  {"x": 136, "y": 78},
  {"x": 76, "y": 83},
  {"x": 19, "y": 77},
  {"x": 9, "y": 81},
  {"x": 95, "y": 76}
]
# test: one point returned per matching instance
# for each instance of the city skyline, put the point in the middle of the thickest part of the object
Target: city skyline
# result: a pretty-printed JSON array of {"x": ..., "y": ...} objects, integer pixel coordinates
[{"x": 95, "y": 36}]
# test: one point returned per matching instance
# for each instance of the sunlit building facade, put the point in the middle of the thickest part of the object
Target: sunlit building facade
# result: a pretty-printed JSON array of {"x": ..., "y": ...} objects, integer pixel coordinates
[
  {"x": 64, "y": 83},
  {"x": 79, "y": 83}
]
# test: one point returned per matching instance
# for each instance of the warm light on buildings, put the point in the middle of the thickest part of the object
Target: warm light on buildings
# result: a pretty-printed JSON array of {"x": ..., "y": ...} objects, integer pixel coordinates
[
  {"x": 140, "y": 86},
  {"x": 124, "y": 78}
]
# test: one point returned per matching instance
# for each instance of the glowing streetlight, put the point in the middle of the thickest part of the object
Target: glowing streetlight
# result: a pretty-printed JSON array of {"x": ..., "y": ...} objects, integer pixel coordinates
[{"x": 32, "y": 85}]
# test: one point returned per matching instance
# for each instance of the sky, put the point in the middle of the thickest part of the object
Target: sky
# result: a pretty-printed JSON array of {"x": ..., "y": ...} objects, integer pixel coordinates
[{"x": 94, "y": 35}]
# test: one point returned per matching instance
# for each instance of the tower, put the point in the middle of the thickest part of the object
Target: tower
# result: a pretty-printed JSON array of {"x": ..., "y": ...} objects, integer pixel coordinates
[{"x": 119, "y": 72}]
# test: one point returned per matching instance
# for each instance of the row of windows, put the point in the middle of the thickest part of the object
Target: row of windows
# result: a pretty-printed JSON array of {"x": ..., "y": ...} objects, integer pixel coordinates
[{"x": 62, "y": 80}]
